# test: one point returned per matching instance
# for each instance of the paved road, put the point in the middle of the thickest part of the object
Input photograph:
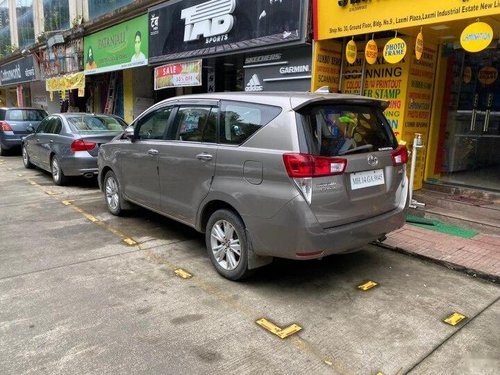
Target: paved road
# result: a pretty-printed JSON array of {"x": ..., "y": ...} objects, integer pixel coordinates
[{"x": 79, "y": 296}]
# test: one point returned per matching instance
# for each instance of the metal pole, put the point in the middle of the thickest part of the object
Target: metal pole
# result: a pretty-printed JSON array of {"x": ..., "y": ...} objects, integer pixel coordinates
[{"x": 417, "y": 144}]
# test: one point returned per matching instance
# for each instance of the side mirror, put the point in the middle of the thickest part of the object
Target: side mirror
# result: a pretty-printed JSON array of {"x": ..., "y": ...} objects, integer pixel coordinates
[
  {"x": 30, "y": 129},
  {"x": 129, "y": 133}
]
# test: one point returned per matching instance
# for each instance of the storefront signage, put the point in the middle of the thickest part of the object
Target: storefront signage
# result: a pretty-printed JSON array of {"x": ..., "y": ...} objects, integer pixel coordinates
[
  {"x": 67, "y": 82},
  {"x": 394, "y": 50},
  {"x": 351, "y": 51},
  {"x": 177, "y": 75},
  {"x": 476, "y": 36},
  {"x": 362, "y": 17},
  {"x": 419, "y": 46},
  {"x": 19, "y": 71},
  {"x": 119, "y": 47},
  {"x": 371, "y": 52},
  {"x": 487, "y": 75},
  {"x": 190, "y": 28},
  {"x": 327, "y": 59},
  {"x": 289, "y": 70},
  {"x": 467, "y": 76}
]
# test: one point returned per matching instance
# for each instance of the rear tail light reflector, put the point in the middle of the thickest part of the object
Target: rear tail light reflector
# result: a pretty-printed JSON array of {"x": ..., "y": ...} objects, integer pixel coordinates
[
  {"x": 5, "y": 126},
  {"x": 399, "y": 156},
  {"x": 81, "y": 145}
]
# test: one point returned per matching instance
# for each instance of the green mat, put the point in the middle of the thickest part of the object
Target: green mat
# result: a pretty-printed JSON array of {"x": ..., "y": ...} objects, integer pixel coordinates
[{"x": 438, "y": 226}]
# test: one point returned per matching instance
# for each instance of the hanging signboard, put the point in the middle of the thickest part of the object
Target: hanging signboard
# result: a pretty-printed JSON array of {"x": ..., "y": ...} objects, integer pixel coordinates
[
  {"x": 467, "y": 76},
  {"x": 191, "y": 28},
  {"x": 476, "y": 37},
  {"x": 180, "y": 74},
  {"x": 371, "y": 52},
  {"x": 119, "y": 47},
  {"x": 351, "y": 52},
  {"x": 419, "y": 46},
  {"x": 394, "y": 50},
  {"x": 66, "y": 82},
  {"x": 343, "y": 18},
  {"x": 487, "y": 75}
]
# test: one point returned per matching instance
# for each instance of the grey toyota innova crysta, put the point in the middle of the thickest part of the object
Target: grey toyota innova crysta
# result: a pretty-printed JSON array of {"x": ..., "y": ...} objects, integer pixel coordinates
[{"x": 263, "y": 175}]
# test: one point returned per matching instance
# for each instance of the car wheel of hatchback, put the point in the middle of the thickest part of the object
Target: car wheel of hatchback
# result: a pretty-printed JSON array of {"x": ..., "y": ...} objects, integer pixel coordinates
[
  {"x": 57, "y": 173},
  {"x": 114, "y": 200},
  {"x": 227, "y": 244},
  {"x": 26, "y": 159}
]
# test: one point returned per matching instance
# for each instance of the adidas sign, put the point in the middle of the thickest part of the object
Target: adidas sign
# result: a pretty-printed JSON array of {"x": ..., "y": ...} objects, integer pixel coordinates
[{"x": 254, "y": 84}]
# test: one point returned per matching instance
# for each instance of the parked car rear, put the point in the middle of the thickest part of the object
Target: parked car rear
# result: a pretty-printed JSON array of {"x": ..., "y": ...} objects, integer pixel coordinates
[
  {"x": 66, "y": 144},
  {"x": 263, "y": 175},
  {"x": 13, "y": 125}
]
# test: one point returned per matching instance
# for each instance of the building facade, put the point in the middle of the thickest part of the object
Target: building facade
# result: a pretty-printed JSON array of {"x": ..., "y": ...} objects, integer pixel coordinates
[{"x": 436, "y": 62}]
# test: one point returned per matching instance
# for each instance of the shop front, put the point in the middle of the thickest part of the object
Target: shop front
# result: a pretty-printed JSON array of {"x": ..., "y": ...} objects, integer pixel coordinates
[
  {"x": 232, "y": 45},
  {"x": 62, "y": 69},
  {"x": 437, "y": 65},
  {"x": 116, "y": 68},
  {"x": 15, "y": 78}
]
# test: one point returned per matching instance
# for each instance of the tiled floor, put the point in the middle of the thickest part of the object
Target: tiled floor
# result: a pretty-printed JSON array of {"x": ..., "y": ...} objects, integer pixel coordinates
[{"x": 479, "y": 255}]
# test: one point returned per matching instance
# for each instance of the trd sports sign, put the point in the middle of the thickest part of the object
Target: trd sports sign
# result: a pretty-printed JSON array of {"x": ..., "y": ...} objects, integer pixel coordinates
[{"x": 190, "y": 28}]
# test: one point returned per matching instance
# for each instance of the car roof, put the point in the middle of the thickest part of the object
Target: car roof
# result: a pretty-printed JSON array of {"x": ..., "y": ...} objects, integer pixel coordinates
[
  {"x": 7, "y": 108},
  {"x": 292, "y": 100}
]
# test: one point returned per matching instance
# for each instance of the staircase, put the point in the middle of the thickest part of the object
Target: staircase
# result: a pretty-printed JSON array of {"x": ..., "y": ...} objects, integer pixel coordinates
[{"x": 464, "y": 207}]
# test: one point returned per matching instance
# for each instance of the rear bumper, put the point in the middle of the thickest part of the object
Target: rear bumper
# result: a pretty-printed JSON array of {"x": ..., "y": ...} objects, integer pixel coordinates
[
  {"x": 10, "y": 141},
  {"x": 296, "y": 234},
  {"x": 79, "y": 164}
]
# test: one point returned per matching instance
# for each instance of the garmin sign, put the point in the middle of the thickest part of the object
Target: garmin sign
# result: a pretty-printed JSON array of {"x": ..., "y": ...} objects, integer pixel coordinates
[
  {"x": 19, "y": 71},
  {"x": 288, "y": 70},
  {"x": 195, "y": 28}
]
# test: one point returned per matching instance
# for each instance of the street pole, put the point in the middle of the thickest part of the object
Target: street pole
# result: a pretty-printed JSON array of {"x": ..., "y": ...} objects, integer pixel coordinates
[{"x": 417, "y": 144}]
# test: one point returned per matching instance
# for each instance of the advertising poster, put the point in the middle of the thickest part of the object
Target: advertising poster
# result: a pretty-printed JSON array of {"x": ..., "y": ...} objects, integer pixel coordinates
[
  {"x": 382, "y": 81},
  {"x": 177, "y": 75},
  {"x": 192, "y": 28},
  {"x": 119, "y": 47},
  {"x": 327, "y": 58},
  {"x": 419, "y": 104}
]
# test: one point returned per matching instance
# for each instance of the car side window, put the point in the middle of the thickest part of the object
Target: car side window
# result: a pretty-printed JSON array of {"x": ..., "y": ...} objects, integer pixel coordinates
[
  {"x": 240, "y": 120},
  {"x": 54, "y": 126},
  {"x": 41, "y": 127},
  {"x": 194, "y": 124},
  {"x": 154, "y": 124}
]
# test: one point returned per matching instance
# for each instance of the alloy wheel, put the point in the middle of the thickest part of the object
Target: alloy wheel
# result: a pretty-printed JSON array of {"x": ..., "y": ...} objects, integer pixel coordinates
[
  {"x": 225, "y": 245},
  {"x": 112, "y": 197}
]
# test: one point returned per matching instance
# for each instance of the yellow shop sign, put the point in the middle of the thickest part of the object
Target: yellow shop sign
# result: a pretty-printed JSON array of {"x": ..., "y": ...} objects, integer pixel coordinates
[
  {"x": 419, "y": 46},
  {"x": 476, "y": 37},
  {"x": 371, "y": 52},
  {"x": 351, "y": 52},
  {"x": 394, "y": 50}
]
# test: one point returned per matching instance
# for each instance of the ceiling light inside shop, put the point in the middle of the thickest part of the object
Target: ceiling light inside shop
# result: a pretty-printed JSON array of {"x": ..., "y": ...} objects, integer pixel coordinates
[{"x": 439, "y": 27}]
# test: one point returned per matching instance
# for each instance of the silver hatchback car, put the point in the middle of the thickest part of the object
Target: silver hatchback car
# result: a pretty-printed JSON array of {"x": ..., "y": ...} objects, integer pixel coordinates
[{"x": 263, "y": 175}]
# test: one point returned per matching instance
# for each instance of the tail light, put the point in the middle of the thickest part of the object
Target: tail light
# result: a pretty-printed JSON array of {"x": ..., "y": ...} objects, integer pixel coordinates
[
  {"x": 81, "y": 145},
  {"x": 303, "y": 167},
  {"x": 5, "y": 126},
  {"x": 306, "y": 165},
  {"x": 399, "y": 156}
]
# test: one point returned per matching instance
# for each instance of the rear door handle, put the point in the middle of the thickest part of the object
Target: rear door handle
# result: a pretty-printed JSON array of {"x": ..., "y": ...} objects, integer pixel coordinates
[
  {"x": 204, "y": 156},
  {"x": 153, "y": 152}
]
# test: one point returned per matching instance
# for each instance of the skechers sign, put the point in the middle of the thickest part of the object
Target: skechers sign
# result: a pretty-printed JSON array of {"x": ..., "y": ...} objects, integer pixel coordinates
[{"x": 189, "y": 28}]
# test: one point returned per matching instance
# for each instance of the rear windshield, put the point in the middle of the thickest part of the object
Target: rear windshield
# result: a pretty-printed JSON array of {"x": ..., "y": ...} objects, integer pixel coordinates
[
  {"x": 335, "y": 130},
  {"x": 26, "y": 114},
  {"x": 93, "y": 123}
]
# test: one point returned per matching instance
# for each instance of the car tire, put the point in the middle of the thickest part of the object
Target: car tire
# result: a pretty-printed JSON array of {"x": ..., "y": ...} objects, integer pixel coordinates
[
  {"x": 113, "y": 195},
  {"x": 26, "y": 158},
  {"x": 227, "y": 244},
  {"x": 57, "y": 173}
]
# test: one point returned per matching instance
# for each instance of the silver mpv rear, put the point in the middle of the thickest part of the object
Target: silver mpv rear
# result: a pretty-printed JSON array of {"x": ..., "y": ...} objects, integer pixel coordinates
[{"x": 263, "y": 175}]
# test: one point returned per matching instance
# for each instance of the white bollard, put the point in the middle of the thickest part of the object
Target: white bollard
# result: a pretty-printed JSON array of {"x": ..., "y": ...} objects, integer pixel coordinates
[{"x": 417, "y": 144}]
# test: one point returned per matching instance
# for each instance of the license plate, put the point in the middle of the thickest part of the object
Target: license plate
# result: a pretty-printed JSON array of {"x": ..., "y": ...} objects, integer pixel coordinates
[{"x": 361, "y": 180}]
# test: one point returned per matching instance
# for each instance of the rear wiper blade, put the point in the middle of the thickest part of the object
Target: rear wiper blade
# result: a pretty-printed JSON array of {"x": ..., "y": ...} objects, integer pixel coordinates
[{"x": 356, "y": 149}]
